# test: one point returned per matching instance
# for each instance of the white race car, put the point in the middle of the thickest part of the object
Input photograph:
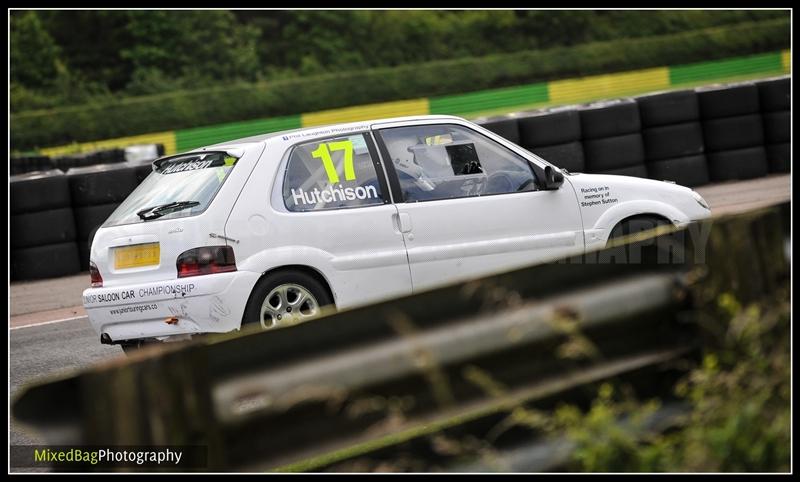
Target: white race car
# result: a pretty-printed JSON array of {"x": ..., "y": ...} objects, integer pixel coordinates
[{"x": 270, "y": 229}]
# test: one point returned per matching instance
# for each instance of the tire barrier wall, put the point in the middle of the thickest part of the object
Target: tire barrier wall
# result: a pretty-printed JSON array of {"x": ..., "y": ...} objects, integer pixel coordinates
[
  {"x": 136, "y": 153},
  {"x": 469, "y": 104},
  {"x": 693, "y": 137},
  {"x": 42, "y": 225},
  {"x": 776, "y": 106},
  {"x": 54, "y": 214}
]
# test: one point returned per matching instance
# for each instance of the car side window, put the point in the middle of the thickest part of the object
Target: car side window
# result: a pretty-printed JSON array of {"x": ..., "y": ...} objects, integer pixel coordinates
[
  {"x": 447, "y": 161},
  {"x": 333, "y": 173}
]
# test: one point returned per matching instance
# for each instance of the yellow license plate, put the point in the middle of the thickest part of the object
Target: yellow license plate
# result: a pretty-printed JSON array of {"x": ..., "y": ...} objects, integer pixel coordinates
[{"x": 137, "y": 256}]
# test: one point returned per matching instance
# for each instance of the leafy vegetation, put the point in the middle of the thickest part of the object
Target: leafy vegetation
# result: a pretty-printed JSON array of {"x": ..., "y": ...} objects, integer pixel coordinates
[
  {"x": 739, "y": 397},
  {"x": 71, "y": 57},
  {"x": 115, "y": 116}
]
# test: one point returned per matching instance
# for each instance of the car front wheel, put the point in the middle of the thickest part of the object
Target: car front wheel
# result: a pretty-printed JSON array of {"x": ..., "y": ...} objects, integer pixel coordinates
[{"x": 635, "y": 225}]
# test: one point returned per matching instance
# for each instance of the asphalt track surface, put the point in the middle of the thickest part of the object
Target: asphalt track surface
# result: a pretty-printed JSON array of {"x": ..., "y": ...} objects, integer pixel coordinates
[{"x": 60, "y": 339}]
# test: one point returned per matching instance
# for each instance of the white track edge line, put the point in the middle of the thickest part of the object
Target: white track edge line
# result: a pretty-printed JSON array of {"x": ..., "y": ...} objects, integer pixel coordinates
[{"x": 47, "y": 322}]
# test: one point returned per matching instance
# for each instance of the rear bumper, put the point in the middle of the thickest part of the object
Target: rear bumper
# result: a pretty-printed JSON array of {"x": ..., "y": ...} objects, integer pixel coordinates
[{"x": 202, "y": 304}]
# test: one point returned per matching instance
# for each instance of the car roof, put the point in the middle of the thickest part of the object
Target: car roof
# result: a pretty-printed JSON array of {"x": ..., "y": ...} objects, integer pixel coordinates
[{"x": 345, "y": 126}]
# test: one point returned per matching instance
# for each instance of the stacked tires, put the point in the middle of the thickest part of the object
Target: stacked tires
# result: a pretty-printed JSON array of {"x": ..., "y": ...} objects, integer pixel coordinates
[
  {"x": 673, "y": 137},
  {"x": 25, "y": 164},
  {"x": 96, "y": 192},
  {"x": 106, "y": 156},
  {"x": 774, "y": 96},
  {"x": 85, "y": 159},
  {"x": 69, "y": 161},
  {"x": 43, "y": 232},
  {"x": 733, "y": 131},
  {"x": 612, "y": 138},
  {"x": 555, "y": 136},
  {"x": 505, "y": 126},
  {"x": 691, "y": 137}
]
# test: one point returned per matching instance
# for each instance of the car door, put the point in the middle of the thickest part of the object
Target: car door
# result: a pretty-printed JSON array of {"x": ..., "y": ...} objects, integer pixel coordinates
[
  {"x": 328, "y": 209},
  {"x": 469, "y": 206}
]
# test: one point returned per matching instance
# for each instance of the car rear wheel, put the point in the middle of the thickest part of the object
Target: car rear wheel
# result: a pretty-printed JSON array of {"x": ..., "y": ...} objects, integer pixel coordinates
[{"x": 286, "y": 298}]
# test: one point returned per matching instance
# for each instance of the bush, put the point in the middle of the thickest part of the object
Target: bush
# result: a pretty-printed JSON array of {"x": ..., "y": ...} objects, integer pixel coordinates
[
  {"x": 739, "y": 397},
  {"x": 178, "y": 110}
]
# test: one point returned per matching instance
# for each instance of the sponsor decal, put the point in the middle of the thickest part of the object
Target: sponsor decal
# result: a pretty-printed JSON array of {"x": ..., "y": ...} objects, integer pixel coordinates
[
  {"x": 320, "y": 133},
  {"x": 133, "y": 309},
  {"x": 176, "y": 290}
]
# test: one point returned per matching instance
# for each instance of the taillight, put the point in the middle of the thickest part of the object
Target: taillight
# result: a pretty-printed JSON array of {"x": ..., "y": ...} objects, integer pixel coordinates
[
  {"x": 94, "y": 274},
  {"x": 206, "y": 260}
]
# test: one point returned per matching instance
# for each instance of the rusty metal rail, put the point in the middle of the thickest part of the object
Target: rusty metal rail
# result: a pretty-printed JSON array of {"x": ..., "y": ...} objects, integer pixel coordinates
[{"x": 380, "y": 381}]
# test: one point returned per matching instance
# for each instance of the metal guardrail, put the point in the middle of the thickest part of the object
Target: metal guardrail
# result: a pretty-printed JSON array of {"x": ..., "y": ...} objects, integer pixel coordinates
[{"x": 373, "y": 382}]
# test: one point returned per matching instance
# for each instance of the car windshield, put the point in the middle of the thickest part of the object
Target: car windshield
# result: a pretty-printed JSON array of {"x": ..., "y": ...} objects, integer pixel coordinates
[{"x": 189, "y": 181}]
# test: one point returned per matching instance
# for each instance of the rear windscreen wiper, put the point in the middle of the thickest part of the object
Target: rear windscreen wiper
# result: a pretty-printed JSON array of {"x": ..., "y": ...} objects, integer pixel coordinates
[{"x": 160, "y": 210}]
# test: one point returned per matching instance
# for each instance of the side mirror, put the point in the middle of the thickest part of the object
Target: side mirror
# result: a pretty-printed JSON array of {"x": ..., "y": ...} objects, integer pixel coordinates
[{"x": 553, "y": 178}]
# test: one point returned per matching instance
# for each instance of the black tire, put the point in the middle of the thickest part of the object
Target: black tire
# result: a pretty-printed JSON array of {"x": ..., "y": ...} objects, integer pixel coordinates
[
  {"x": 777, "y": 127},
  {"x": 83, "y": 255},
  {"x": 775, "y": 94},
  {"x": 547, "y": 128},
  {"x": 43, "y": 163},
  {"x": 89, "y": 218},
  {"x": 65, "y": 163},
  {"x": 39, "y": 191},
  {"x": 733, "y": 132},
  {"x": 738, "y": 164},
  {"x": 505, "y": 127},
  {"x": 687, "y": 171},
  {"x": 45, "y": 227},
  {"x": 269, "y": 282},
  {"x": 569, "y": 156},
  {"x": 639, "y": 170},
  {"x": 613, "y": 152},
  {"x": 666, "y": 108},
  {"x": 101, "y": 184},
  {"x": 676, "y": 140},
  {"x": 95, "y": 157},
  {"x": 609, "y": 119},
  {"x": 25, "y": 164},
  {"x": 113, "y": 156},
  {"x": 779, "y": 157},
  {"x": 73, "y": 161},
  {"x": 636, "y": 224},
  {"x": 728, "y": 100},
  {"x": 142, "y": 171},
  {"x": 50, "y": 261}
]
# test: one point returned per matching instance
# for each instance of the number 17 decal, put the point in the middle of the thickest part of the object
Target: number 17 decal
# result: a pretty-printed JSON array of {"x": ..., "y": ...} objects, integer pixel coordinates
[{"x": 323, "y": 152}]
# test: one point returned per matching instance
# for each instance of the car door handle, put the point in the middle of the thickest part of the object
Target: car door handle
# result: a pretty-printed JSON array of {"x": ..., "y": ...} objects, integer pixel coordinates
[{"x": 403, "y": 222}]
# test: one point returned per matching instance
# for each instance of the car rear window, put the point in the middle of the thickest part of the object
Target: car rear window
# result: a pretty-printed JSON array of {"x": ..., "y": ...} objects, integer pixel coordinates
[{"x": 191, "y": 178}]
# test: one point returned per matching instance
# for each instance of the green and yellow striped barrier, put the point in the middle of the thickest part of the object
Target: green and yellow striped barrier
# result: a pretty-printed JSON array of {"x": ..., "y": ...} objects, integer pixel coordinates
[{"x": 485, "y": 102}]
